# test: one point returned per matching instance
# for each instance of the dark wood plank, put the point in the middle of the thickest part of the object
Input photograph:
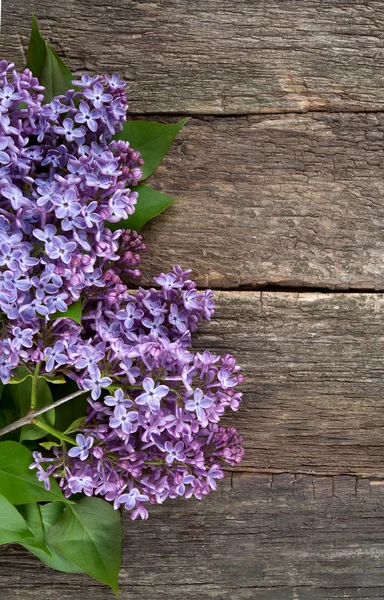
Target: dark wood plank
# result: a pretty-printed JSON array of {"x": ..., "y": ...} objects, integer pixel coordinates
[
  {"x": 217, "y": 57},
  {"x": 284, "y": 200},
  {"x": 272, "y": 538}
]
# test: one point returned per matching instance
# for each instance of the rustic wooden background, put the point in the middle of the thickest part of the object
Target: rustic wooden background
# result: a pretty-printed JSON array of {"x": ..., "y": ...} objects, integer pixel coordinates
[{"x": 282, "y": 167}]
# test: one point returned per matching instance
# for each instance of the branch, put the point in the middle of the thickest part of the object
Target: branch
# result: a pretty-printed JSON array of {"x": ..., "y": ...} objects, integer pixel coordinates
[{"x": 28, "y": 418}]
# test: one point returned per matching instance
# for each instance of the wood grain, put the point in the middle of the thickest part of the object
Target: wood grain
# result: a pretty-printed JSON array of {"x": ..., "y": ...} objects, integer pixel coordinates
[
  {"x": 288, "y": 200},
  {"x": 218, "y": 57},
  {"x": 285, "y": 537},
  {"x": 314, "y": 383},
  {"x": 283, "y": 200}
]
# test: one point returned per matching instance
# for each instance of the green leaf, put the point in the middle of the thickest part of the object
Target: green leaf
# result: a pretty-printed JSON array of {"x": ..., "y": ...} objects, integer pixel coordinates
[
  {"x": 32, "y": 517},
  {"x": 49, "y": 514},
  {"x": 45, "y": 64},
  {"x": 55, "y": 379},
  {"x": 89, "y": 534},
  {"x": 70, "y": 411},
  {"x": 13, "y": 527},
  {"x": 76, "y": 424},
  {"x": 44, "y": 398},
  {"x": 18, "y": 483},
  {"x": 152, "y": 140},
  {"x": 74, "y": 312},
  {"x": 22, "y": 373},
  {"x": 150, "y": 203},
  {"x": 17, "y": 399},
  {"x": 49, "y": 445}
]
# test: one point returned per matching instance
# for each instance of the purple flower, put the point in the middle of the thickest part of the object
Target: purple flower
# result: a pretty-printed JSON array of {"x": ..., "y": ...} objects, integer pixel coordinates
[
  {"x": 81, "y": 482},
  {"x": 54, "y": 109},
  {"x": 115, "y": 82},
  {"x": 199, "y": 403},
  {"x": 214, "y": 473},
  {"x": 44, "y": 476},
  {"x": 15, "y": 196},
  {"x": 97, "y": 95},
  {"x": 129, "y": 315},
  {"x": 118, "y": 399},
  {"x": 95, "y": 382},
  {"x": 177, "y": 318},
  {"x": 22, "y": 337},
  {"x": 131, "y": 499},
  {"x": 174, "y": 452},
  {"x": 83, "y": 447},
  {"x": 226, "y": 379},
  {"x": 8, "y": 95},
  {"x": 59, "y": 248},
  {"x": 88, "y": 116},
  {"x": 123, "y": 418},
  {"x": 55, "y": 356},
  {"x": 45, "y": 235},
  {"x": 88, "y": 358},
  {"x": 68, "y": 129},
  {"x": 152, "y": 395}
]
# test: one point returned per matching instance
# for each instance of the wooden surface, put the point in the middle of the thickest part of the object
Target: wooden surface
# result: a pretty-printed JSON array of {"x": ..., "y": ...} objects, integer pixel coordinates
[
  {"x": 281, "y": 537},
  {"x": 279, "y": 201},
  {"x": 283, "y": 200},
  {"x": 220, "y": 57}
]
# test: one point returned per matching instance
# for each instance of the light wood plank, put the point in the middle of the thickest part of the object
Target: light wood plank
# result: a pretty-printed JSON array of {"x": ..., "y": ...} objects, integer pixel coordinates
[
  {"x": 284, "y": 200},
  {"x": 218, "y": 57},
  {"x": 314, "y": 383}
]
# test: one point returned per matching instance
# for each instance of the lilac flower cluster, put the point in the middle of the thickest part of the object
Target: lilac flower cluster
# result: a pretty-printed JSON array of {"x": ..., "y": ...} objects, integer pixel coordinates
[
  {"x": 61, "y": 179},
  {"x": 152, "y": 430},
  {"x": 154, "y": 433}
]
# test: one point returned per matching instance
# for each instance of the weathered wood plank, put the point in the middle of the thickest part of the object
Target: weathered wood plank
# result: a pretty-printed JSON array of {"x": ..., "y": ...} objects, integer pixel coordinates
[
  {"x": 217, "y": 57},
  {"x": 314, "y": 378},
  {"x": 271, "y": 538},
  {"x": 284, "y": 200}
]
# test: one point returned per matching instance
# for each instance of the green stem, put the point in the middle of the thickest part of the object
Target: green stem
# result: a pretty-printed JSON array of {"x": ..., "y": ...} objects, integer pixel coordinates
[
  {"x": 35, "y": 383},
  {"x": 28, "y": 418},
  {"x": 55, "y": 432}
]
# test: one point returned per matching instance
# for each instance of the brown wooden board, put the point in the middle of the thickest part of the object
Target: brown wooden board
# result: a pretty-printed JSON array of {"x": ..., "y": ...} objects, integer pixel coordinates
[
  {"x": 218, "y": 57},
  {"x": 285, "y": 537},
  {"x": 279, "y": 200},
  {"x": 314, "y": 378},
  {"x": 313, "y": 405},
  {"x": 287, "y": 200}
]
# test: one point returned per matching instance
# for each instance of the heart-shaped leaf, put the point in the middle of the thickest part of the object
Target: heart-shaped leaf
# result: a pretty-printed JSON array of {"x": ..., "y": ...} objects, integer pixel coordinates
[
  {"x": 152, "y": 140},
  {"x": 45, "y": 64},
  {"x": 89, "y": 534},
  {"x": 18, "y": 483},
  {"x": 48, "y": 515},
  {"x": 31, "y": 515},
  {"x": 73, "y": 312},
  {"x": 13, "y": 528},
  {"x": 150, "y": 203}
]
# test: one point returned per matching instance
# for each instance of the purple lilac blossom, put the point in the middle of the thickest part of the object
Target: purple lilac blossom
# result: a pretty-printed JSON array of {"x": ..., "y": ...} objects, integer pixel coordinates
[
  {"x": 155, "y": 433},
  {"x": 152, "y": 430},
  {"x": 62, "y": 177}
]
